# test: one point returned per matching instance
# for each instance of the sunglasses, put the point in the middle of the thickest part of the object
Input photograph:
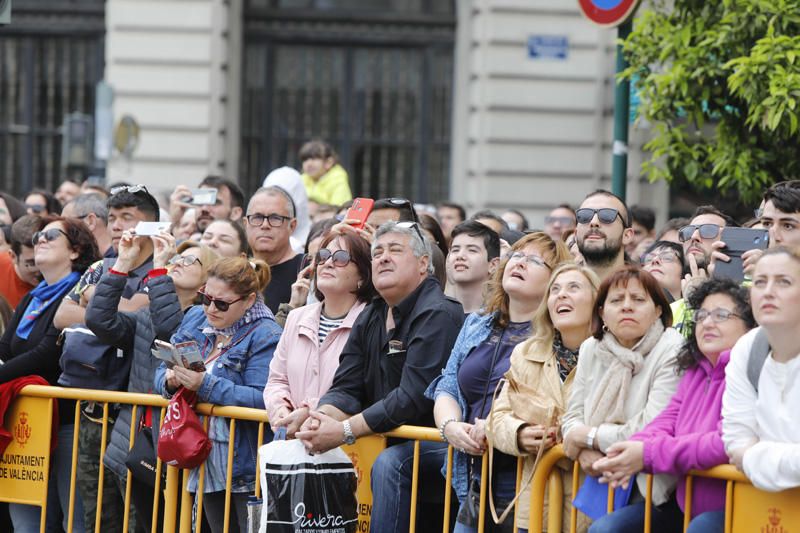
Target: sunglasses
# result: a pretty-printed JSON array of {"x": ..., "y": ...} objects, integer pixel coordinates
[
  {"x": 707, "y": 231},
  {"x": 718, "y": 315},
  {"x": 185, "y": 260},
  {"x": 221, "y": 305},
  {"x": 49, "y": 235},
  {"x": 341, "y": 258},
  {"x": 35, "y": 208},
  {"x": 414, "y": 226},
  {"x": 404, "y": 202},
  {"x": 606, "y": 215},
  {"x": 133, "y": 189}
]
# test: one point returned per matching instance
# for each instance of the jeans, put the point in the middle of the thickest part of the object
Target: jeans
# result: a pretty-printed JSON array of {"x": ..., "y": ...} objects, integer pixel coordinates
[
  {"x": 666, "y": 518},
  {"x": 503, "y": 490},
  {"x": 26, "y": 518},
  {"x": 708, "y": 522},
  {"x": 391, "y": 483}
]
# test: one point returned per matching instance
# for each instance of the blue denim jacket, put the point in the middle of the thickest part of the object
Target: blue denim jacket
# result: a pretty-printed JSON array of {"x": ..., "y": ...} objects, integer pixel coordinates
[
  {"x": 238, "y": 379},
  {"x": 476, "y": 329}
]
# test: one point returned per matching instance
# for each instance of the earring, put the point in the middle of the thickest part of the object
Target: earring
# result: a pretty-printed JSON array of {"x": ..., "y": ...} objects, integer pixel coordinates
[
  {"x": 359, "y": 284},
  {"x": 605, "y": 328}
]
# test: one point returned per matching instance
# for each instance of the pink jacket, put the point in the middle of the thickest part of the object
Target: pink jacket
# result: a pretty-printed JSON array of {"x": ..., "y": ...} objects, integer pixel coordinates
[
  {"x": 301, "y": 370},
  {"x": 687, "y": 435}
]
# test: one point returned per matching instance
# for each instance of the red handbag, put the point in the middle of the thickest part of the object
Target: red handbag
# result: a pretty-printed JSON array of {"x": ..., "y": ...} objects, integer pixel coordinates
[{"x": 182, "y": 441}]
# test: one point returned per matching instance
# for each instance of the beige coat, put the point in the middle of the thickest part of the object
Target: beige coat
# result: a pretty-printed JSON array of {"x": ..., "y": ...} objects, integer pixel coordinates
[
  {"x": 539, "y": 371},
  {"x": 650, "y": 391}
]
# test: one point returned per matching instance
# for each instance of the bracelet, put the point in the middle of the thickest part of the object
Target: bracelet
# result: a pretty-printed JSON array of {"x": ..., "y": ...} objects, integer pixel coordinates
[{"x": 443, "y": 426}]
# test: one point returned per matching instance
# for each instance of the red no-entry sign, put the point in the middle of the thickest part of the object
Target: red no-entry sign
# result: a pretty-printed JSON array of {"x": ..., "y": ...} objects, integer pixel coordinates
[{"x": 608, "y": 13}]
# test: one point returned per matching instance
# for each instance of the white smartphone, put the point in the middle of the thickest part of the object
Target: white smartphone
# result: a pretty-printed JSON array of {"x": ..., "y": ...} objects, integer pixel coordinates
[
  {"x": 204, "y": 196},
  {"x": 146, "y": 229}
]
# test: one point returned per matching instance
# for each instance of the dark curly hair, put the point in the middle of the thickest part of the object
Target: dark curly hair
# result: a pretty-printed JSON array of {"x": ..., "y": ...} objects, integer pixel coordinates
[
  {"x": 690, "y": 354},
  {"x": 80, "y": 239}
]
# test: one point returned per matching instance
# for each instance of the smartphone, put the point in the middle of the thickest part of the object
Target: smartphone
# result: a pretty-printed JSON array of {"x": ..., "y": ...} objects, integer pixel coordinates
[
  {"x": 360, "y": 210},
  {"x": 307, "y": 259},
  {"x": 738, "y": 241},
  {"x": 146, "y": 229},
  {"x": 203, "y": 196}
]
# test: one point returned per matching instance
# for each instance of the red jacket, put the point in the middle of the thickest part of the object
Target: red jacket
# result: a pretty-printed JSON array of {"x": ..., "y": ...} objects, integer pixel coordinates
[{"x": 9, "y": 392}]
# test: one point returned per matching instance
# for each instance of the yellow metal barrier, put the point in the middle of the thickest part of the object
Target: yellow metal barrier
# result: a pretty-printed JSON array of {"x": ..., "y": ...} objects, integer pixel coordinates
[{"x": 756, "y": 511}]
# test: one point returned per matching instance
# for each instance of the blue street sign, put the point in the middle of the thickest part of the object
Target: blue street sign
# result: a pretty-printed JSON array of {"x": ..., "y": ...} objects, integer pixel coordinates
[{"x": 548, "y": 47}]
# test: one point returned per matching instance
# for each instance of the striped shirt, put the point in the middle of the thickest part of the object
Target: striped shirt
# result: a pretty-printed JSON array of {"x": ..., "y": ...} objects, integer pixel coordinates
[{"x": 326, "y": 325}]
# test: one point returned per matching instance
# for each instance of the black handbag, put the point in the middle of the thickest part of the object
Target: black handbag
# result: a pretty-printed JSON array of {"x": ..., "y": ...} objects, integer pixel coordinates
[
  {"x": 141, "y": 459},
  {"x": 470, "y": 508}
]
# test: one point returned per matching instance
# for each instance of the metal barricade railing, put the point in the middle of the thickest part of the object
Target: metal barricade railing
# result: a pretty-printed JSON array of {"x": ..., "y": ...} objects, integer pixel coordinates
[{"x": 546, "y": 483}]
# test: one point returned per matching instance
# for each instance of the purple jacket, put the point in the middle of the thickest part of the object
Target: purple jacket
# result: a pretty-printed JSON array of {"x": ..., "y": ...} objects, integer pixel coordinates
[{"x": 687, "y": 435}]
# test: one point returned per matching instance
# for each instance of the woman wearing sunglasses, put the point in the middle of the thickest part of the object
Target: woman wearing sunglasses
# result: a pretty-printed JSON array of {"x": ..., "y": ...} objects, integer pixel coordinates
[
  {"x": 172, "y": 286},
  {"x": 308, "y": 353},
  {"x": 480, "y": 357},
  {"x": 62, "y": 250},
  {"x": 687, "y": 434},
  {"x": 236, "y": 335}
]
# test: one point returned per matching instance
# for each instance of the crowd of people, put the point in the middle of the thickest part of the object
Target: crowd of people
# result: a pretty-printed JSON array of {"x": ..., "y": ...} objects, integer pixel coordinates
[{"x": 593, "y": 329}]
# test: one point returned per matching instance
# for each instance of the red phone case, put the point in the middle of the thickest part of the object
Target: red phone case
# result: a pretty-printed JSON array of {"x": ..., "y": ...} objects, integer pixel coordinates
[{"x": 360, "y": 210}]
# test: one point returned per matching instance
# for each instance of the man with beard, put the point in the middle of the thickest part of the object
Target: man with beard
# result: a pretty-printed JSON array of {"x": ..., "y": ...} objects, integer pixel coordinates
[
  {"x": 701, "y": 244},
  {"x": 603, "y": 231},
  {"x": 229, "y": 204},
  {"x": 699, "y": 236}
]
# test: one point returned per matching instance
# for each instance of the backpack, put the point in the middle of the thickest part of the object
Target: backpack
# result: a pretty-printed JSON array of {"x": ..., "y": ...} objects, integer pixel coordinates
[{"x": 758, "y": 355}]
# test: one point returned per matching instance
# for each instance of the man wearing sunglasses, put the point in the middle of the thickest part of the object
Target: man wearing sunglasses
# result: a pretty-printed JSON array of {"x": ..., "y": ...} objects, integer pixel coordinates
[
  {"x": 269, "y": 224},
  {"x": 397, "y": 347},
  {"x": 701, "y": 242},
  {"x": 603, "y": 232}
]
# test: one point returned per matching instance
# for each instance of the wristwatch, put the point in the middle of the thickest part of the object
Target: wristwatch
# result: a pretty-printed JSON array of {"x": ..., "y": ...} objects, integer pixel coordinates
[
  {"x": 590, "y": 437},
  {"x": 349, "y": 438}
]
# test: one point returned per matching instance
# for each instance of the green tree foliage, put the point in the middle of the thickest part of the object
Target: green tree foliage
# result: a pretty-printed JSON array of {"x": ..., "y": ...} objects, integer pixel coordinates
[{"x": 720, "y": 82}]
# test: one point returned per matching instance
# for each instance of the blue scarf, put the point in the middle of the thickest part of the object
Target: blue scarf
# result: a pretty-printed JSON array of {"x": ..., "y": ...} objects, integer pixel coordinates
[{"x": 43, "y": 296}]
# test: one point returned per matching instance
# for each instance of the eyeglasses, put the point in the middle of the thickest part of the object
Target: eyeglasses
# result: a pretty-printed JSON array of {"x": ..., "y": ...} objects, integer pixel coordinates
[
  {"x": 664, "y": 256},
  {"x": 718, "y": 315},
  {"x": 341, "y": 258},
  {"x": 605, "y": 215},
  {"x": 707, "y": 231},
  {"x": 564, "y": 221},
  {"x": 221, "y": 305},
  {"x": 532, "y": 258},
  {"x": 49, "y": 235},
  {"x": 186, "y": 260},
  {"x": 133, "y": 189},
  {"x": 35, "y": 208},
  {"x": 274, "y": 220},
  {"x": 414, "y": 226}
]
